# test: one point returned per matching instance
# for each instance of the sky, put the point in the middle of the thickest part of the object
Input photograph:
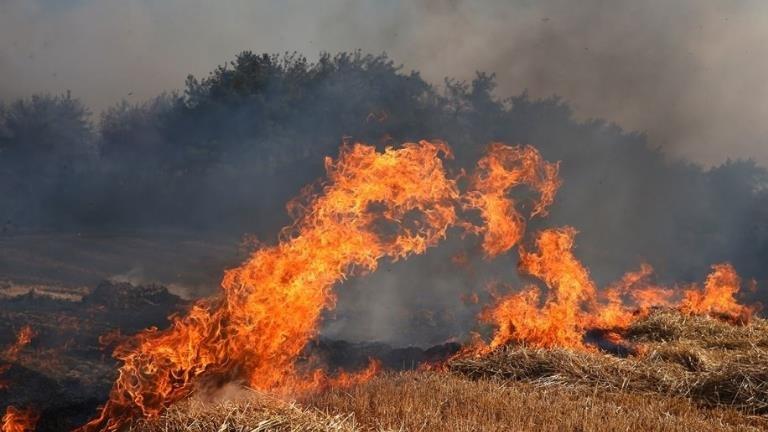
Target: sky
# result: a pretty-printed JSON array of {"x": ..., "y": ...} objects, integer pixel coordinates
[{"x": 689, "y": 73}]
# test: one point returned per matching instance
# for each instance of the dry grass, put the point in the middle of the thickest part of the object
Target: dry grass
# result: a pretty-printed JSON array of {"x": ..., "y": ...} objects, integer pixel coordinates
[
  {"x": 666, "y": 326},
  {"x": 695, "y": 373},
  {"x": 439, "y": 401},
  {"x": 546, "y": 367},
  {"x": 433, "y": 401},
  {"x": 250, "y": 412},
  {"x": 709, "y": 361}
]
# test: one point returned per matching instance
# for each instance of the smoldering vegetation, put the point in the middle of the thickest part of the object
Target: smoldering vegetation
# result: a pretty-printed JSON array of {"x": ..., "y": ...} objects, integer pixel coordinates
[
  {"x": 65, "y": 371},
  {"x": 224, "y": 156}
]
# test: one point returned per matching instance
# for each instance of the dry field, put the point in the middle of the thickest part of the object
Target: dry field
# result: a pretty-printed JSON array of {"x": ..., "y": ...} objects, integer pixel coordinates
[
  {"x": 689, "y": 373},
  {"x": 56, "y": 262},
  {"x": 439, "y": 401}
]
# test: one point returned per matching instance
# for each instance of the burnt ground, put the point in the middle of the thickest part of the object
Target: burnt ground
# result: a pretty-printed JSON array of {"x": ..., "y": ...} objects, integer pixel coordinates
[{"x": 66, "y": 372}]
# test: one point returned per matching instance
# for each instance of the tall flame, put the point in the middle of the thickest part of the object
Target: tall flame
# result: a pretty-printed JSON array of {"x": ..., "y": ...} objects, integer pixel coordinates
[
  {"x": 373, "y": 205},
  {"x": 377, "y": 205},
  {"x": 560, "y": 322}
]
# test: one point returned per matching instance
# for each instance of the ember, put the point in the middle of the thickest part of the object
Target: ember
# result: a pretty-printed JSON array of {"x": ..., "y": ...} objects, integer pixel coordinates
[{"x": 23, "y": 338}]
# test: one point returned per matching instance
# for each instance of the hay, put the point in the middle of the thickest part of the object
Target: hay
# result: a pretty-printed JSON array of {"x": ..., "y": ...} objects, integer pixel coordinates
[
  {"x": 249, "y": 413},
  {"x": 566, "y": 367},
  {"x": 741, "y": 383},
  {"x": 682, "y": 358},
  {"x": 709, "y": 361},
  {"x": 670, "y": 326}
]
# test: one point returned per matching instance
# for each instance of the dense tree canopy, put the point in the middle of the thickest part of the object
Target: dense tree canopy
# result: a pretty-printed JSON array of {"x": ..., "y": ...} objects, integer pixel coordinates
[{"x": 227, "y": 152}]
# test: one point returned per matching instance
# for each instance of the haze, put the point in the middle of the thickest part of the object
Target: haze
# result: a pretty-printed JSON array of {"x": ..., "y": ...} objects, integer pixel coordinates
[{"x": 689, "y": 73}]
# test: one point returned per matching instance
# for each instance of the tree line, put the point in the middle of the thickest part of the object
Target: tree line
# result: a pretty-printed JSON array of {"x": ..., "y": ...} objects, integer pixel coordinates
[{"x": 229, "y": 150}]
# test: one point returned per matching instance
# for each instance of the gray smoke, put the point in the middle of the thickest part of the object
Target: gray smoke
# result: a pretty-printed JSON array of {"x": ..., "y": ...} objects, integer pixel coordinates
[{"x": 690, "y": 73}]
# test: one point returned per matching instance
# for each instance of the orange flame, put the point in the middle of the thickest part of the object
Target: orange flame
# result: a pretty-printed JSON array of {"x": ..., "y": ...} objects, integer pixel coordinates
[
  {"x": 574, "y": 305},
  {"x": 19, "y": 419},
  {"x": 320, "y": 380},
  {"x": 717, "y": 298},
  {"x": 377, "y": 205},
  {"x": 560, "y": 321},
  {"x": 502, "y": 169},
  {"x": 373, "y": 205},
  {"x": 615, "y": 312}
]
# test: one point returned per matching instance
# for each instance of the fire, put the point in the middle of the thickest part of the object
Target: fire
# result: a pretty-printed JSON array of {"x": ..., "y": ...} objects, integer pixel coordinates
[
  {"x": 717, "y": 298},
  {"x": 373, "y": 206},
  {"x": 320, "y": 379},
  {"x": 497, "y": 173},
  {"x": 615, "y": 311},
  {"x": 19, "y": 419},
  {"x": 23, "y": 338},
  {"x": 560, "y": 322},
  {"x": 574, "y": 305}
]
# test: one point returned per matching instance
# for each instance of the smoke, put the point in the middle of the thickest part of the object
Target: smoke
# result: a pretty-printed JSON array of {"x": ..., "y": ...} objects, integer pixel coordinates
[{"x": 689, "y": 73}]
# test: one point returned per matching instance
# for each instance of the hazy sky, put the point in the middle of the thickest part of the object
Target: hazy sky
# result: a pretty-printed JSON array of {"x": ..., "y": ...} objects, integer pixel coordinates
[{"x": 692, "y": 73}]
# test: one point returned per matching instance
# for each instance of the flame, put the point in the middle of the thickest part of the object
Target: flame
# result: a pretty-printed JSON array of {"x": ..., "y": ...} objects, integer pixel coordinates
[
  {"x": 321, "y": 380},
  {"x": 618, "y": 312},
  {"x": 19, "y": 419},
  {"x": 503, "y": 168},
  {"x": 559, "y": 322},
  {"x": 574, "y": 305},
  {"x": 23, "y": 338},
  {"x": 373, "y": 205},
  {"x": 717, "y": 297}
]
